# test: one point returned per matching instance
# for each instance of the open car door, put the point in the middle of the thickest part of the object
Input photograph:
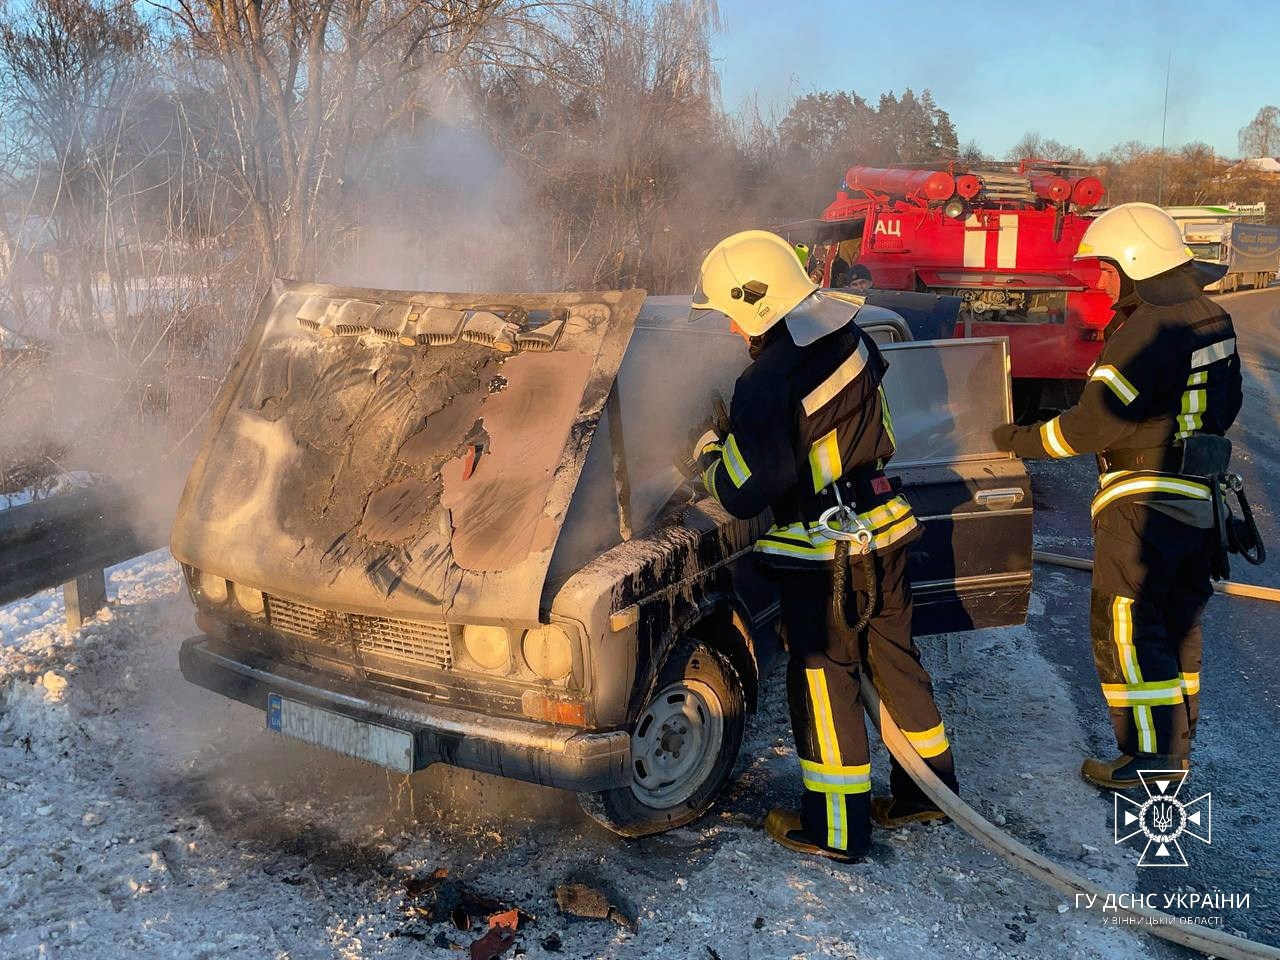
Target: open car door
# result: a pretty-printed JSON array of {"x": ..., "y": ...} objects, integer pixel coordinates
[{"x": 972, "y": 567}]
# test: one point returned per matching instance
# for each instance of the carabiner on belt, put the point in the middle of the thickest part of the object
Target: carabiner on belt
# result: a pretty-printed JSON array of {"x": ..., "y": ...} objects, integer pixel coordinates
[{"x": 842, "y": 524}]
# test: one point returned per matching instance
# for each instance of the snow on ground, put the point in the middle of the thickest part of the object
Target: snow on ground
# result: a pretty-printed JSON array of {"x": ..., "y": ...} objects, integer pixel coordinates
[
  {"x": 67, "y": 482},
  {"x": 143, "y": 817}
]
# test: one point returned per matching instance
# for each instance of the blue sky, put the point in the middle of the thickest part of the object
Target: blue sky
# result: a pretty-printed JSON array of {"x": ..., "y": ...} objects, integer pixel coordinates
[{"x": 1087, "y": 74}]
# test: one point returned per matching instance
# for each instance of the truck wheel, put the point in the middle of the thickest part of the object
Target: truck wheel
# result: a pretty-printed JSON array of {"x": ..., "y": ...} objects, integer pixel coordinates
[{"x": 683, "y": 747}]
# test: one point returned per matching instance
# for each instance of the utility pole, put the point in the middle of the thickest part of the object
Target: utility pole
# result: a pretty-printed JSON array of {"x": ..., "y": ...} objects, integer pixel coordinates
[{"x": 1164, "y": 126}]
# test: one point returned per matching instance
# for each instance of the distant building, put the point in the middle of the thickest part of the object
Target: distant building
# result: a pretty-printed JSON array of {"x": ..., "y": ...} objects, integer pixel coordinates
[{"x": 1266, "y": 166}]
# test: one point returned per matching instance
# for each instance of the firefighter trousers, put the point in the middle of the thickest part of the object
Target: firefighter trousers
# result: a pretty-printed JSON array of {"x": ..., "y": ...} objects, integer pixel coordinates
[
  {"x": 1150, "y": 586},
  {"x": 824, "y": 674}
]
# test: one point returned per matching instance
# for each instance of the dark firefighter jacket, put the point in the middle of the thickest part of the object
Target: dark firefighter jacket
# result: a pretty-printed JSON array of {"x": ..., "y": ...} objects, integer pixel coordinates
[
  {"x": 801, "y": 418},
  {"x": 1169, "y": 370}
]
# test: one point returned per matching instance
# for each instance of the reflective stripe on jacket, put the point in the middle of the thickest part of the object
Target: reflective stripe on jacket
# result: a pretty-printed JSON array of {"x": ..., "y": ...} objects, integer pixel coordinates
[
  {"x": 1169, "y": 370},
  {"x": 801, "y": 418}
]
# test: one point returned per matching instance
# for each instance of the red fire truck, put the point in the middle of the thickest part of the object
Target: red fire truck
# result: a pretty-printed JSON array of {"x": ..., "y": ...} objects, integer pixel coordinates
[{"x": 1000, "y": 237}]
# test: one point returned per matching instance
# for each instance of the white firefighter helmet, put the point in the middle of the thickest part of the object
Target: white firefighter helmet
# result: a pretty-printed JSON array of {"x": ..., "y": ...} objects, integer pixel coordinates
[
  {"x": 755, "y": 279},
  {"x": 1140, "y": 238}
]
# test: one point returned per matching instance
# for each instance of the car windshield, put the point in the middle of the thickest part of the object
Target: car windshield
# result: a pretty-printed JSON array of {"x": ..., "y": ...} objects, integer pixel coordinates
[
  {"x": 1206, "y": 251},
  {"x": 946, "y": 397}
]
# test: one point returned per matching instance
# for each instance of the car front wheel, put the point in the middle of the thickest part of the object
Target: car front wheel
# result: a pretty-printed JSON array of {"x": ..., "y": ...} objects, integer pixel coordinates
[{"x": 683, "y": 746}]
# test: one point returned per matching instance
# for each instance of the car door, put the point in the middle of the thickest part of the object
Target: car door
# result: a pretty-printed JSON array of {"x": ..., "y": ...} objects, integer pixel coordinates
[{"x": 971, "y": 568}]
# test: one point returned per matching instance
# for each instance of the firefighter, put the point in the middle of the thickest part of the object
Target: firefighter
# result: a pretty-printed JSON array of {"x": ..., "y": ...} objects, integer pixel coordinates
[
  {"x": 809, "y": 433},
  {"x": 1162, "y": 394}
]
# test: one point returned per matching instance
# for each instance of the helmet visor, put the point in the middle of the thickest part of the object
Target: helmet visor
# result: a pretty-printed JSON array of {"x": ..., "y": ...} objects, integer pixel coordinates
[
  {"x": 1207, "y": 273},
  {"x": 820, "y": 314}
]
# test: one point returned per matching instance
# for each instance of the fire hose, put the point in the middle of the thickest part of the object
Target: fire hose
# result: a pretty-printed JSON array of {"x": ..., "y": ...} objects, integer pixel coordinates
[
  {"x": 842, "y": 525},
  {"x": 1156, "y": 922},
  {"x": 1225, "y": 587}
]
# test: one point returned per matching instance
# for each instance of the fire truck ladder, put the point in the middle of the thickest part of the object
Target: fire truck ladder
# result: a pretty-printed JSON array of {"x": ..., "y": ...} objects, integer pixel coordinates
[{"x": 1006, "y": 187}]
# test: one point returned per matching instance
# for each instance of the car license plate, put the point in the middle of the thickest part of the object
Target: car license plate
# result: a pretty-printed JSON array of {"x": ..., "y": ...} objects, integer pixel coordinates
[{"x": 386, "y": 746}]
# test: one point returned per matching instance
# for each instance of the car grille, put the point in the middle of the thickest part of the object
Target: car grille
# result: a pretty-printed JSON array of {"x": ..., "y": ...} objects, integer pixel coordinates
[{"x": 421, "y": 644}]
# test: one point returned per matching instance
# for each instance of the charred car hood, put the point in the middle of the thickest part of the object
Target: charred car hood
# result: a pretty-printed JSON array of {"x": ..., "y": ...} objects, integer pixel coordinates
[{"x": 402, "y": 454}]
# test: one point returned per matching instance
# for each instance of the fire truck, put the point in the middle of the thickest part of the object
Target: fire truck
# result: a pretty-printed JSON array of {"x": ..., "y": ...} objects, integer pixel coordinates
[{"x": 1000, "y": 238}]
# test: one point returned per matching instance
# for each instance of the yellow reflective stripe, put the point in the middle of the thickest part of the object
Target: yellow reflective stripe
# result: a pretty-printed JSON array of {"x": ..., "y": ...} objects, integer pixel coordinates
[
  {"x": 824, "y": 461},
  {"x": 739, "y": 472},
  {"x": 886, "y": 417},
  {"x": 815, "y": 554},
  {"x": 782, "y": 549},
  {"x": 828, "y": 778},
  {"x": 1122, "y": 633},
  {"x": 1107, "y": 479},
  {"x": 709, "y": 479},
  {"x": 1191, "y": 419},
  {"x": 792, "y": 531},
  {"x": 1190, "y": 683},
  {"x": 1117, "y": 381},
  {"x": 1138, "y": 694},
  {"x": 929, "y": 743},
  {"x": 888, "y": 512},
  {"x": 1197, "y": 378},
  {"x": 794, "y": 541},
  {"x": 1053, "y": 440},
  {"x": 1128, "y": 488},
  {"x": 1154, "y": 694},
  {"x": 840, "y": 378},
  {"x": 828, "y": 744},
  {"x": 889, "y": 523},
  {"x": 893, "y": 533},
  {"x": 829, "y": 749}
]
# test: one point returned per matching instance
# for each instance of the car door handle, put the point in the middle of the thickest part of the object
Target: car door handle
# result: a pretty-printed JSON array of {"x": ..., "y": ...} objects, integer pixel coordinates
[{"x": 1004, "y": 497}]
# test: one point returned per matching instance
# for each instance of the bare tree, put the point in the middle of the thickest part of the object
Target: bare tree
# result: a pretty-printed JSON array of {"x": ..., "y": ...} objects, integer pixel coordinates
[
  {"x": 72, "y": 67},
  {"x": 1034, "y": 146},
  {"x": 1261, "y": 137},
  {"x": 303, "y": 83}
]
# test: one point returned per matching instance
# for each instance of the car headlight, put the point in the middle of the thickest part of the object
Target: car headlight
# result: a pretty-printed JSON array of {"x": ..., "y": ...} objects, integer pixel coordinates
[
  {"x": 251, "y": 601},
  {"x": 548, "y": 650},
  {"x": 490, "y": 647},
  {"x": 213, "y": 589}
]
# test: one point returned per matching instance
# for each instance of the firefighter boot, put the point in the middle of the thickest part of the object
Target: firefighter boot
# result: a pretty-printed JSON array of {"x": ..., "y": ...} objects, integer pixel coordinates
[
  {"x": 784, "y": 827},
  {"x": 1122, "y": 772},
  {"x": 892, "y": 812}
]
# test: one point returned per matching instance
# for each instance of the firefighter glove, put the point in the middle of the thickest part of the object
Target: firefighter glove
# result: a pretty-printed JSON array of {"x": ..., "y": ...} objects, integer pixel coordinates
[
  {"x": 1003, "y": 436},
  {"x": 704, "y": 440}
]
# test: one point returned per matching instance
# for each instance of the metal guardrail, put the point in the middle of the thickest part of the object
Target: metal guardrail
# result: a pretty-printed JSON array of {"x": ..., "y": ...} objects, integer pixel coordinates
[{"x": 69, "y": 541}]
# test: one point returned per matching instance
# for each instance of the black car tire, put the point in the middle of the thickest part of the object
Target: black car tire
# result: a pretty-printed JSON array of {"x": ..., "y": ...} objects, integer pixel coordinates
[{"x": 700, "y": 702}]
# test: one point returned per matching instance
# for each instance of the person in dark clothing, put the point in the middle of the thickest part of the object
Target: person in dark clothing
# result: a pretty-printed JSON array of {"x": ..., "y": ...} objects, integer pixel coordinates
[
  {"x": 1168, "y": 374},
  {"x": 809, "y": 436},
  {"x": 857, "y": 278}
]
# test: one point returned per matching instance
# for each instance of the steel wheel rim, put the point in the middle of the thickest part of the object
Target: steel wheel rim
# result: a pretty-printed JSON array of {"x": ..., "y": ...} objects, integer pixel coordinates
[{"x": 676, "y": 743}]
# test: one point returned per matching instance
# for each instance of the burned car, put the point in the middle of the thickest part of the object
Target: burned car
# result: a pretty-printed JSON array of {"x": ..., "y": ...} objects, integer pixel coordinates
[{"x": 428, "y": 528}]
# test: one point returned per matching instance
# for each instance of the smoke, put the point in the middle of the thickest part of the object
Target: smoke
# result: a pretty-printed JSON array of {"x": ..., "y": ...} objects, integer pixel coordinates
[{"x": 441, "y": 210}]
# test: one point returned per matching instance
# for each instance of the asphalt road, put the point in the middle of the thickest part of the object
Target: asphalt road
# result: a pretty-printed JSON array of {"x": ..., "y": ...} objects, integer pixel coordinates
[{"x": 1235, "y": 752}]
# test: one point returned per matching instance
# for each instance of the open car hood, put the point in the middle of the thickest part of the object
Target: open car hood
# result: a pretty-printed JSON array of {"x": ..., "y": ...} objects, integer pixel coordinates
[{"x": 403, "y": 454}]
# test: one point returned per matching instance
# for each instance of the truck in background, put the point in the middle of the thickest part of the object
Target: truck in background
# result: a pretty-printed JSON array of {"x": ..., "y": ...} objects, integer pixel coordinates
[
  {"x": 1232, "y": 236},
  {"x": 998, "y": 238}
]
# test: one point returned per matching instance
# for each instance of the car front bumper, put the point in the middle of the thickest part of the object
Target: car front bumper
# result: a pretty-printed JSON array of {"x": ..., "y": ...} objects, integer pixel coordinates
[{"x": 523, "y": 750}]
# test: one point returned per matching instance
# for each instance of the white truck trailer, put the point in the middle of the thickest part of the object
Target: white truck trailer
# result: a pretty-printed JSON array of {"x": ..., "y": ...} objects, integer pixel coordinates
[{"x": 1232, "y": 236}]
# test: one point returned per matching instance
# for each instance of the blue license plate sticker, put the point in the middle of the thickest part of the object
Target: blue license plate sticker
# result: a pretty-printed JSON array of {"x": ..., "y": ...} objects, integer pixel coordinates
[{"x": 275, "y": 710}]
